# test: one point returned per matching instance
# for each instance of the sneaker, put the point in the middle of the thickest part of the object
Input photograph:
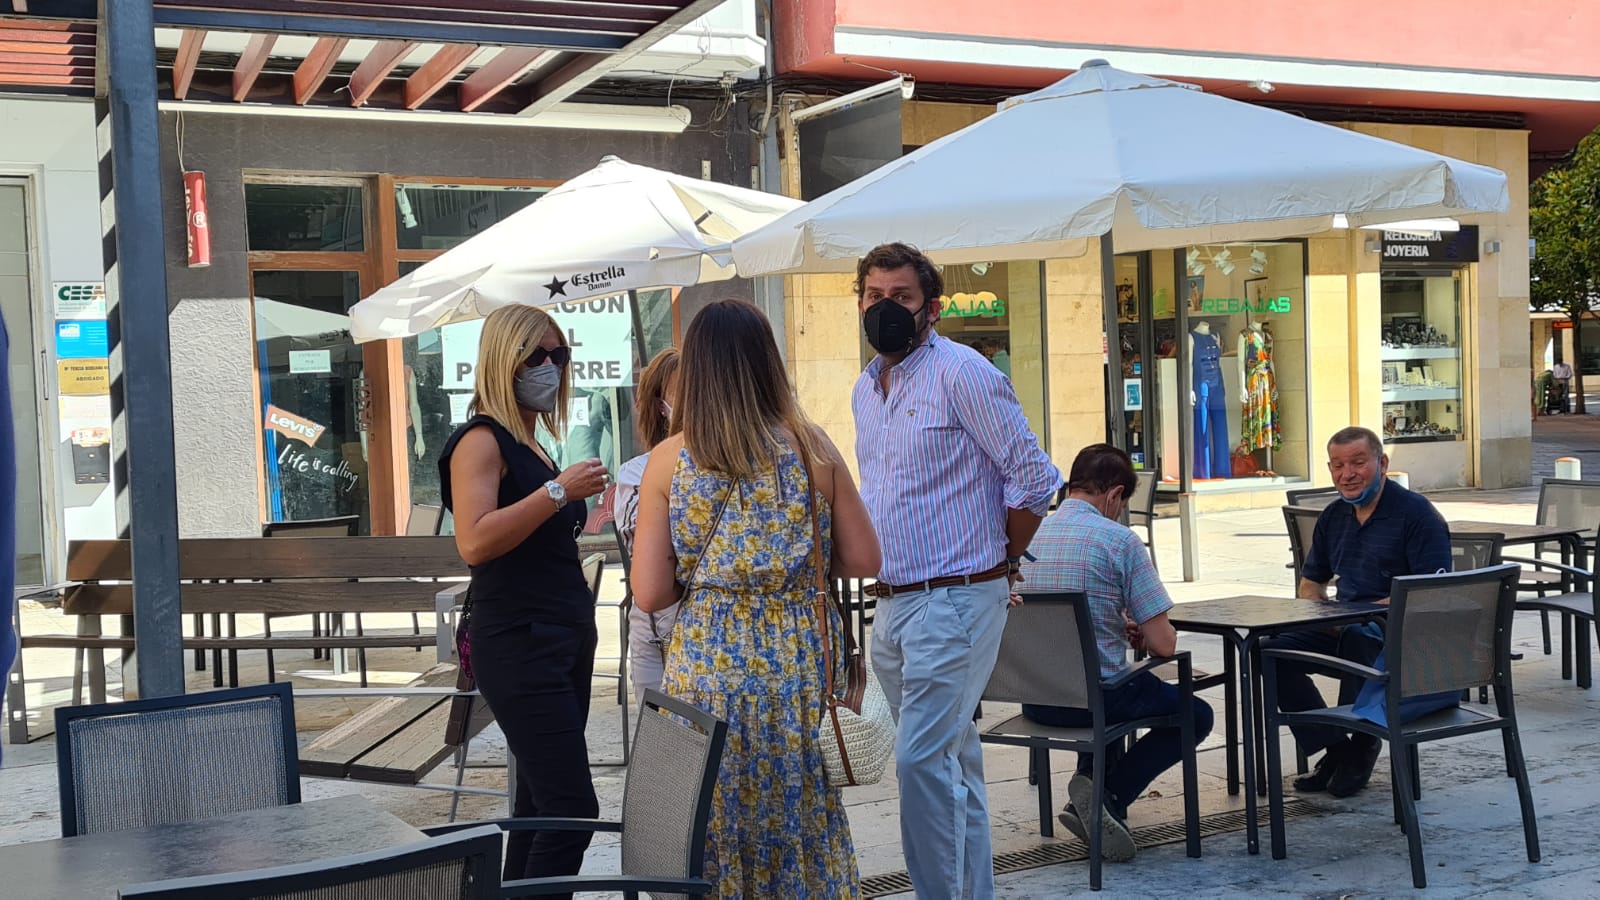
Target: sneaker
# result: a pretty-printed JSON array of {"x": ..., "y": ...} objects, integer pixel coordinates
[
  {"x": 1317, "y": 779},
  {"x": 1074, "y": 823},
  {"x": 1355, "y": 768},
  {"x": 1116, "y": 842}
]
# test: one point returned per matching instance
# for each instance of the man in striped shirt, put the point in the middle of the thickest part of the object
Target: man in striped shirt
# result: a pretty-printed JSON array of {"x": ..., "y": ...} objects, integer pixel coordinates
[{"x": 956, "y": 485}]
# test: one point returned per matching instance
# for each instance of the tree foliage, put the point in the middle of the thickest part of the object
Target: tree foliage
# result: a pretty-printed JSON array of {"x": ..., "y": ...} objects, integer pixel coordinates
[{"x": 1564, "y": 221}]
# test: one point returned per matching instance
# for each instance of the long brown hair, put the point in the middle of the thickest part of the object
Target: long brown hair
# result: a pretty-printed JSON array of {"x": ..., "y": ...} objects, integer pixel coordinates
[
  {"x": 735, "y": 399},
  {"x": 655, "y": 426},
  {"x": 510, "y": 334}
]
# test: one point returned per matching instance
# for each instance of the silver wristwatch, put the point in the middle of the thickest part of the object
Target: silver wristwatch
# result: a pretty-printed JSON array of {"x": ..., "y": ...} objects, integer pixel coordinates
[{"x": 557, "y": 492}]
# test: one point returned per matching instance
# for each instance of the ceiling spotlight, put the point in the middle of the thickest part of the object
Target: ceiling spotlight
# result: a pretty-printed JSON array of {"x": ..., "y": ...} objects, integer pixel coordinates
[
  {"x": 1225, "y": 267},
  {"x": 1264, "y": 86},
  {"x": 1258, "y": 261},
  {"x": 981, "y": 269}
]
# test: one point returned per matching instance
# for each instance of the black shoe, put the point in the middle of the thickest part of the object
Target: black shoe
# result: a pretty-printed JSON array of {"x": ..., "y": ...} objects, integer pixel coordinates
[
  {"x": 1317, "y": 780},
  {"x": 1355, "y": 768}
]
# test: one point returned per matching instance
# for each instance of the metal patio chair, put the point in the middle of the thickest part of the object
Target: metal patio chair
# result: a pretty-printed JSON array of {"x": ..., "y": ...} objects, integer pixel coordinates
[
  {"x": 1446, "y": 633},
  {"x": 460, "y": 866},
  {"x": 1300, "y": 522},
  {"x": 175, "y": 759},
  {"x": 1568, "y": 503},
  {"x": 1048, "y": 657},
  {"x": 666, "y": 804},
  {"x": 337, "y": 526},
  {"x": 594, "y": 569},
  {"x": 1142, "y": 511},
  {"x": 1311, "y": 498}
]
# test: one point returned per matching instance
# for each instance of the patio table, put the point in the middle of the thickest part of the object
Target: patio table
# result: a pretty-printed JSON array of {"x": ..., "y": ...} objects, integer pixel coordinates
[
  {"x": 98, "y": 865},
  {"x": 1242, "y": 622},
  {"x": 1570, "y": 537}
]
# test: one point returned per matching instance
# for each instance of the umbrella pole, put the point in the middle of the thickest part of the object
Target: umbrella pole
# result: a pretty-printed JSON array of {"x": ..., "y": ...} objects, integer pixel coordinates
[{"x": 1188, "y": 520}]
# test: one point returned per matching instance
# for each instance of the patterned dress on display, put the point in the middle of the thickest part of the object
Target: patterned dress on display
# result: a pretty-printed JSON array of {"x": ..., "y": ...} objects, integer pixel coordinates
[
  {"x": 747, "y": 650},
  {"x": 1259, "y": 427}
]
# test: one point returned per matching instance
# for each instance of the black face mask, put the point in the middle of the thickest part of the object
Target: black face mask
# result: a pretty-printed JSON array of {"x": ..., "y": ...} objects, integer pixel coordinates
[{"x": 890, "y": 327}]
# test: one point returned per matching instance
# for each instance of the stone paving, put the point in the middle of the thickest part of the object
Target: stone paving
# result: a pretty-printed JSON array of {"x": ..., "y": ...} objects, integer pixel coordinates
[{"x": 1351, "y": 848}]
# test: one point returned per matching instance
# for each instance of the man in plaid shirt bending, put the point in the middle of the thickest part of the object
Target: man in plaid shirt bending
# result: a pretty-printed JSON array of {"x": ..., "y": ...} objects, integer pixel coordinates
[{"x": 1084, "y": 548}]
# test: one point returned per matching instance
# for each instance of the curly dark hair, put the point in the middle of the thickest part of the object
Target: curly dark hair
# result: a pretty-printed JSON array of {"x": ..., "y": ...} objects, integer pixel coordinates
[{"x": 898, "y": 256}]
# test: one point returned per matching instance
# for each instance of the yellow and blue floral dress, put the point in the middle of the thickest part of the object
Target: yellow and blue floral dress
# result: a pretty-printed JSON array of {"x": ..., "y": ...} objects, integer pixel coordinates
[{"x": 747, "y": 649}]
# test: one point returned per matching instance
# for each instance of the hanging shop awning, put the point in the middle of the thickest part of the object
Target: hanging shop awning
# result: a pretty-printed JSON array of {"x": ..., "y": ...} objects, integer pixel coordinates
[{"x": 461, "y": 56}]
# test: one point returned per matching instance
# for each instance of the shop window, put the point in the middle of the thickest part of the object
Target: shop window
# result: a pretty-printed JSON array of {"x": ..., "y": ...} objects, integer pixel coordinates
[
  {"x": 305, "y": 217},
  {"x": 1422, "y": 356},
  {"x": 440, "y": 216},
  {"x": 998, "y": 310},
  {"x": 1246, "y": 348},
  {"x": 314, "y": 433}
]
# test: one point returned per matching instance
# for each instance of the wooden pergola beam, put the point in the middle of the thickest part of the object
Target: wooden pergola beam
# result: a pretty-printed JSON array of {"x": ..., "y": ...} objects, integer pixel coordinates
[
  {"x": 437, "y": 72},
  {"x": 183, "y": 66},
  {"x": 510, "y": 64},
  {"x": 316, "y": 66},
  {"x": 380, "y": 61},
  {"x": 251, "y": 62}
]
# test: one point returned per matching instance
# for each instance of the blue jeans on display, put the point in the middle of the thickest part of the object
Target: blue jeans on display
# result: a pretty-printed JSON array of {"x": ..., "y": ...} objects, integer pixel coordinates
[
  {"x": 1129, "y": 774},
  {"x": 1298, "y": 693},
  {"x": 1213, "y": 457},
  {"x": 933, "y": 652}
]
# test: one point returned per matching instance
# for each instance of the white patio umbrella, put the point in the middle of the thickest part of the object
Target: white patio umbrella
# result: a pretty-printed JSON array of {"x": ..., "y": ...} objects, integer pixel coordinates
[
  {"x": 1155, "y": 163},
  {"x": 616, "y": 228}
]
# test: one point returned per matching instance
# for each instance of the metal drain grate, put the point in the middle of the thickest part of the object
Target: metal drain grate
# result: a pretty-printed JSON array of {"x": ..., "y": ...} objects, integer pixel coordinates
[{"x": 1073, "y": 850}]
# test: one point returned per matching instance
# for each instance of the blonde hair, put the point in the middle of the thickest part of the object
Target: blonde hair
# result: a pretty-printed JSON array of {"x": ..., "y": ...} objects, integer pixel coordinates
[
  {"x": 510, "y": 335},
  {"x": 735, "y": 399},
  {"x": 655, "y": 426}
]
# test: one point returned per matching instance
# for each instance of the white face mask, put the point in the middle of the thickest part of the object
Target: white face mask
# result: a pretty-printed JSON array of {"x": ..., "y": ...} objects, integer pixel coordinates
[{"x": 536, "y": 387}]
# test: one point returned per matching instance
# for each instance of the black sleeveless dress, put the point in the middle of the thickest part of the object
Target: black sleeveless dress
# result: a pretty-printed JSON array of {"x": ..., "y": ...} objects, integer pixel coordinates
[
  {"x": 533, "y": 642},
  {"x": 541, "y": 579}
]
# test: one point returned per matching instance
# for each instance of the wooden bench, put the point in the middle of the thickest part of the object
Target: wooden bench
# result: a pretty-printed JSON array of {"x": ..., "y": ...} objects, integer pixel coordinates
[
  {"x": 404, "y": 734},
  {"x": 254, "y": 576}
]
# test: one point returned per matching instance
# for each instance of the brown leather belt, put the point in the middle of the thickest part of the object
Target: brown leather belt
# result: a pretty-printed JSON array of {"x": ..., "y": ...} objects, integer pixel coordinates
[{"x": 885, "y": 591}]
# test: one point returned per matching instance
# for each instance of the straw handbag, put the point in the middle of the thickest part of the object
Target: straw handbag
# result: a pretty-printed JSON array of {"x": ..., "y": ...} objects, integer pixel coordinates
[{"x": 857, "y": 732}]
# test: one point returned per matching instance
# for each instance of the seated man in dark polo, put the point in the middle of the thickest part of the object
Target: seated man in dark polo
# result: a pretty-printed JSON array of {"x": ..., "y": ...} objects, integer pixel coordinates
[{"x": 1380, "y": 531}]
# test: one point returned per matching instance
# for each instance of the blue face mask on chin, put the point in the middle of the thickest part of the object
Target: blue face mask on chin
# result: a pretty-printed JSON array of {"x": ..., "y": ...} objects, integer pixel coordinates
[{"x": 1368, "y": 493}]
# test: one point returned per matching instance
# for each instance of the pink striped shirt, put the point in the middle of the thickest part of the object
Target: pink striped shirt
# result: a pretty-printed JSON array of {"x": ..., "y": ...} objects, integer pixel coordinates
[{"x": 942, "y": 459}]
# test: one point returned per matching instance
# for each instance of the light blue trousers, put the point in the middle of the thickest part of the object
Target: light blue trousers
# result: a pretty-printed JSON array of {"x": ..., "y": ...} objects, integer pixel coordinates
[{"x": 933, "y": 652}]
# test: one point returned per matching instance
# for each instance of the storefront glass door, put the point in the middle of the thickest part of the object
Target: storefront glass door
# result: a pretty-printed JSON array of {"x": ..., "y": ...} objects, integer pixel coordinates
[
  {"x": 314, "y": 409},
  {"x": 16, "y": 292}
]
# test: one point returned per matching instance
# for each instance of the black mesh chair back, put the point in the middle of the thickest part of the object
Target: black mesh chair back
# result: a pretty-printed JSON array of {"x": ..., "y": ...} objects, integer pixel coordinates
[
  {"x": 1570, "y": 504},
  {"x": 1475, "y": 551},
  {"x": 175, "y": 759},
  {"x": 1142, "y": 505},
  {"x": 1301, "y": 522},
  {"x": 425, "y": 519},
  {"x": 1450, "y": 632},
  {"x": 464, "y": 865},
  {"x": 338, "y": 526},
  {"x": 1047, "y": 653},
  {"x": 1312, "y": 498},
  {"x": 667, "y": 800}
]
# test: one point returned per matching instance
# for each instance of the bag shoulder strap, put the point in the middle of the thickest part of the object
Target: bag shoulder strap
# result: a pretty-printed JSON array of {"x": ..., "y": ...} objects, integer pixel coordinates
[{"x": 855, "y": 687}]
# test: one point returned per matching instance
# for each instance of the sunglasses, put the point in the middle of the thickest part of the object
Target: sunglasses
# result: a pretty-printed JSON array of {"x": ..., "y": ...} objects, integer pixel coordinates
[{"x": 560, "y": 356}]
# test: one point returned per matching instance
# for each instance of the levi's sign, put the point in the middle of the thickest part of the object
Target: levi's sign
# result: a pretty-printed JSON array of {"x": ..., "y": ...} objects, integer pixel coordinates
[{"x": 290, "y": 425}]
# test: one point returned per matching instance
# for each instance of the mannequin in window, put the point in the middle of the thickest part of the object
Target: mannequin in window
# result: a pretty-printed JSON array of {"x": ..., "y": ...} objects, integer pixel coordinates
[
  {"x": 1258, "y": 391},
  {"x": 1210, "y": 401}
]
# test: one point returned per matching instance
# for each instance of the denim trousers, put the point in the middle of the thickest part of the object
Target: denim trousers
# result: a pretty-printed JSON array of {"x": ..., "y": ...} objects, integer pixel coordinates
[
  {"x": 933, "y": 652},
  {"x": 1129, "y": 774},
  {"x": 1298, "y": 693}
]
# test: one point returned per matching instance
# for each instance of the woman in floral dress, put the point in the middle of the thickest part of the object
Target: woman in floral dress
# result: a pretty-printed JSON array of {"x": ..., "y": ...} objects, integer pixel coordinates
[{"x": 725, "y": 510}]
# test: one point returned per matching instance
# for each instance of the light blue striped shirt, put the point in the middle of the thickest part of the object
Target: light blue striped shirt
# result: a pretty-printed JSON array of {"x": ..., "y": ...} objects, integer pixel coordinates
[{"x": 942, "y": 459}]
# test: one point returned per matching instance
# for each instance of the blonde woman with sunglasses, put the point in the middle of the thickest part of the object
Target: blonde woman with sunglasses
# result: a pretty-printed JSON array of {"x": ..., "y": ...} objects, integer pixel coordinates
[{"x": 531, "y": 627}]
